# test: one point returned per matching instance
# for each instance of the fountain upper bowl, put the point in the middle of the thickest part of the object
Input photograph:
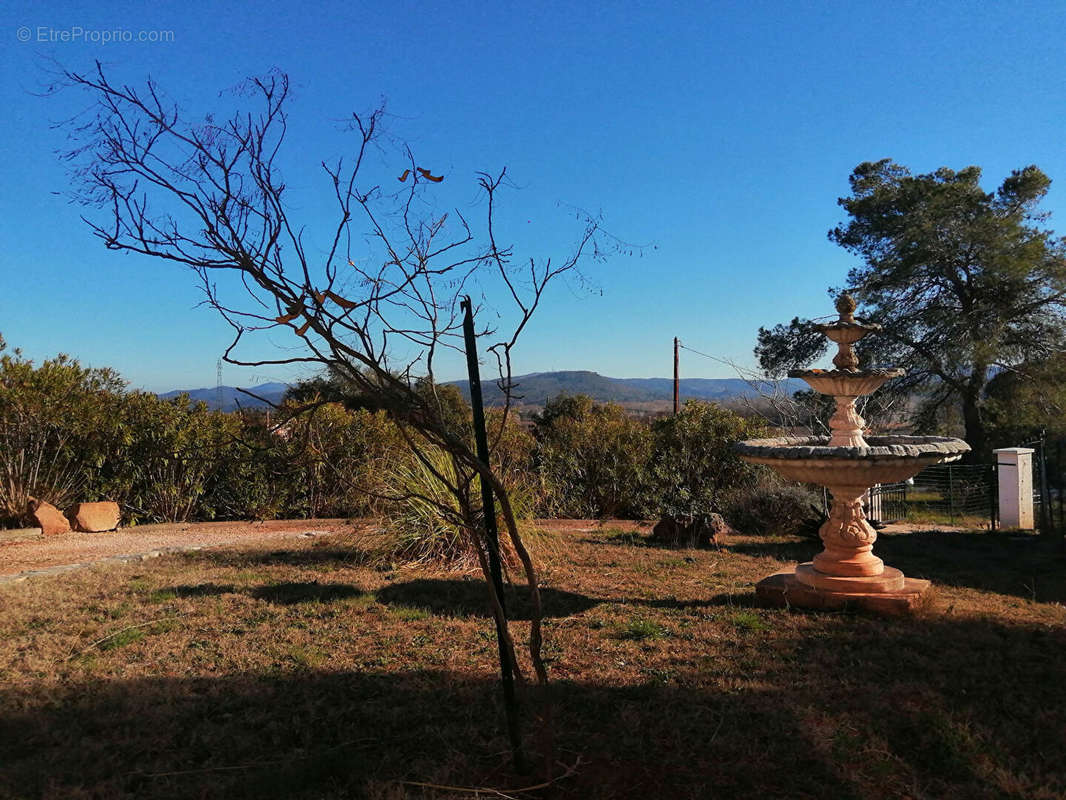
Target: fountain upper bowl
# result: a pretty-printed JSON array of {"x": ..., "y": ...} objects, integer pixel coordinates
[
  {"x": 844, "y": 382},
  {"x": 887, "y": 459},
  {"x": 843, "y": 332}
]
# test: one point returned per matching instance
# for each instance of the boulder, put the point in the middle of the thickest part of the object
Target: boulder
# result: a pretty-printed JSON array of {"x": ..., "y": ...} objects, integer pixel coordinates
[
  {"x": 701, "y": 530},
  {"x": 48, "y": 517},
  {"x": 717, "y": 529},
  {"x": 94, "y": 517},
  {"x": 666, "y": 531}
]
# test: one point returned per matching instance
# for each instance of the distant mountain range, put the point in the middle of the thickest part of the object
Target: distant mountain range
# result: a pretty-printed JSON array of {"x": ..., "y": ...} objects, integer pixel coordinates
[
  {"x": 537, "y": 388},
  {"x": 232, "y": 398}
]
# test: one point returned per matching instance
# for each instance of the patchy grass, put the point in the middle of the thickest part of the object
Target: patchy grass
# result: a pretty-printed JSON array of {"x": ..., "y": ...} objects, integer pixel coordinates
[
  {"x": 640, "y": 629},
  {"x": 748, "y": 621},
  {"x": 122, "y": 638},
  {"x": 304, "y": 673},
  {"x": 410, "y": 614},
  {"x": 623, "y": 536}
]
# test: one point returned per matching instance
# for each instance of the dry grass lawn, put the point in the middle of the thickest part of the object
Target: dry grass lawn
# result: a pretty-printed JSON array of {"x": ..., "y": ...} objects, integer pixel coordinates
[{"x": 290, "y": 670}]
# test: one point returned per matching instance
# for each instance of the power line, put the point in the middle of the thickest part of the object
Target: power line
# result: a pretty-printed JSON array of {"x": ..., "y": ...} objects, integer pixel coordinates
[
  {"x": 745, "y": 374},
  {"x": 713, "y": 358}
]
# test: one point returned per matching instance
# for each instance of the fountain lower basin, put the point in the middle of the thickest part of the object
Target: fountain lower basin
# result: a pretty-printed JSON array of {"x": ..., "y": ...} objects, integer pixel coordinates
[{"x": 886, "y": 459}]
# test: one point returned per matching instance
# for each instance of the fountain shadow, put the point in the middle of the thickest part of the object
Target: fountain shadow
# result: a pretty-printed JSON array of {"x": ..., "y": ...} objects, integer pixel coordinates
[{"x": 1032, "y": 568}]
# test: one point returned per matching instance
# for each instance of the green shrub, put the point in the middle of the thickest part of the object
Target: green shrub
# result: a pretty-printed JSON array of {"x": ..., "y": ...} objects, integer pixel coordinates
[
  {"x": 775, "y": 510},
  {"x": 640, "y": 629},
  {"x": 328, "y": 462},
  {"x": 56, "y": 430},
  {"x": 329, "y": 450},
  {"x": 593, "y": 459},
  {"x": 693, "y": 468},
  {"x": 424, "y": 523},
  {"x": 69, "y": 433},
  {"x": 253, "y": 478},
  {"x": 169, "y": 452},
  {"x": 513, "y": 458}
]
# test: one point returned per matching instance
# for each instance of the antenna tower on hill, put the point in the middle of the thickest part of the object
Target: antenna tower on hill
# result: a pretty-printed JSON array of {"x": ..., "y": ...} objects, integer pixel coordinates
[{"x": 218, "y": 385}]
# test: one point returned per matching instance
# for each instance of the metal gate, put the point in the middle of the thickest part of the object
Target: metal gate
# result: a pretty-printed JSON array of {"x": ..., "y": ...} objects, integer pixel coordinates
[{"x": 888, "y": 502}]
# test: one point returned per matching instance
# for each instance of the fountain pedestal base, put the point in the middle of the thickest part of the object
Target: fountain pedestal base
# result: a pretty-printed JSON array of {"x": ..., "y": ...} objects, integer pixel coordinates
[
  {"x": 890, "y": 580},
  {"x": 787, "y": 590}
]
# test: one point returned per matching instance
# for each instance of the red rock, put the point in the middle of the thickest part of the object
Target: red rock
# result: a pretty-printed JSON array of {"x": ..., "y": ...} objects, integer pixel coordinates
[
  {"x": 49, "y": 518},
  {"x": 94, "y": 517}
]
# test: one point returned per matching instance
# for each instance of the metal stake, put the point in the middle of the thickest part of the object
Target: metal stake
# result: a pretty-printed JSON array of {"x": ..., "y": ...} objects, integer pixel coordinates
[{"x": 492, "y": 540}]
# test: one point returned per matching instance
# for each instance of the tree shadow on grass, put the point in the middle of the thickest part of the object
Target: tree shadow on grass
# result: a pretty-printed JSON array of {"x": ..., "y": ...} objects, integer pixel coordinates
[
  {"x": 205, "y": 589},
  {"x": 929, "y": 707},
  {"x": 314, "y": 556},
  {"x": 1031, "y": 568},
  {"x": 469, "y": 598},
  {"x": 291, "y": 593}
]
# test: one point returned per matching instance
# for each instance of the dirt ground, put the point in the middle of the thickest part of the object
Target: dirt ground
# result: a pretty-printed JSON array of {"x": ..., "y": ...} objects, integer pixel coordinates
[
  {"x": 25, "y": 552},
  {"x": 22, "y": 552}
]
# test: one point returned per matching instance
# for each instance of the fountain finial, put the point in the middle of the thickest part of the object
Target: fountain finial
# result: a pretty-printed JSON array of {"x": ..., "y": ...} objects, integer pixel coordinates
[
  {"x": 845, "y": 332},
  {"x": 846, "y": 305}
]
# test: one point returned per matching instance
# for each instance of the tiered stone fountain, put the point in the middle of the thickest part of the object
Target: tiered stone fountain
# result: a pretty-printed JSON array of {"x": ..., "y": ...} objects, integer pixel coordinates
[{"x": 848, "y": 463}]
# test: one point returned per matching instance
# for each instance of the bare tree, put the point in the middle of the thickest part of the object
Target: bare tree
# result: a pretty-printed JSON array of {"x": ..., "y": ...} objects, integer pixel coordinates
[{"x": 374, "y": 299}]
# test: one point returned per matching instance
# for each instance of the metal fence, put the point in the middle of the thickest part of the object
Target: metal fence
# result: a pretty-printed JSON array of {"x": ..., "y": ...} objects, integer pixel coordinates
[
  {"x": 956, "y": 494},
  {"x": 1049, "y": 484}
]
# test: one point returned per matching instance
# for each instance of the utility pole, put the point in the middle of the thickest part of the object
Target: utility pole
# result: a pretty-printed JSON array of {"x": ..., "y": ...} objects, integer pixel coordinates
[{"x": 677, "y": 379}]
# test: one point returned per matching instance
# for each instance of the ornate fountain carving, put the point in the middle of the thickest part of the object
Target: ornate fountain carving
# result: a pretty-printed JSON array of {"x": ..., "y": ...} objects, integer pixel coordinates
[{"x": 848, "y": 463}]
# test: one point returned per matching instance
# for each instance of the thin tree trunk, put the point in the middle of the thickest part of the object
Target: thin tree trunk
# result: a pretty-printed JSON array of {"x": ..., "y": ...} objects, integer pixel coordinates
[{"x": 974, "y": 423}]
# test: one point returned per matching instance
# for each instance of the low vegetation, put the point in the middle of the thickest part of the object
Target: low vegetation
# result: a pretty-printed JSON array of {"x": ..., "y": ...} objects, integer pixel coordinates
[
  {"x": 305, "y": 672},
  {"x": 74, "y": 433}
]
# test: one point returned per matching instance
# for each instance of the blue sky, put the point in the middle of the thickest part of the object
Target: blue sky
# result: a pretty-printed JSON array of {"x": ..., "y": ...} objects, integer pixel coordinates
[{"x": 721, "y": 132}]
